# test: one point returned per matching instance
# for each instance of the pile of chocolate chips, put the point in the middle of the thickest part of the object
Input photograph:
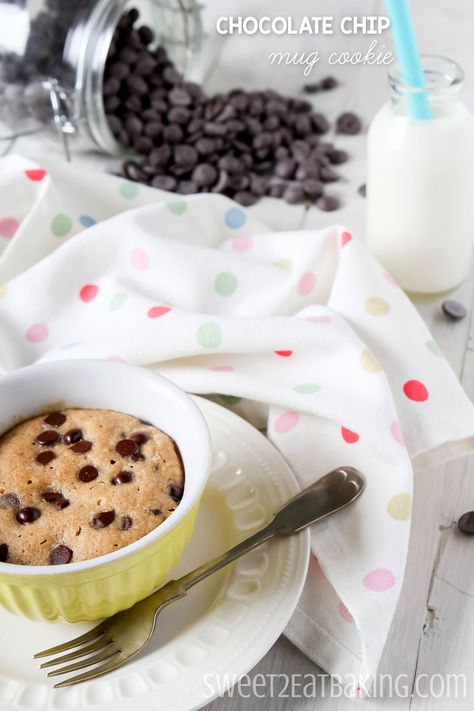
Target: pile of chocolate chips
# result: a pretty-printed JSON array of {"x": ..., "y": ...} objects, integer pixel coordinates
[{"x": 242, "y": 144}]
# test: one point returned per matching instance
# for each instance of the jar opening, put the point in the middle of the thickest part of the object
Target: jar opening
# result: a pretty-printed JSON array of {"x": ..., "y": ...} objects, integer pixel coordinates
[{"x": 443, "y": 76}]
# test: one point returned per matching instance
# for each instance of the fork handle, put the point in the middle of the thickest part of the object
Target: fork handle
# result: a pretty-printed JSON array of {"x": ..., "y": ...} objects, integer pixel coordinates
[{"x": 329, "y": 494}]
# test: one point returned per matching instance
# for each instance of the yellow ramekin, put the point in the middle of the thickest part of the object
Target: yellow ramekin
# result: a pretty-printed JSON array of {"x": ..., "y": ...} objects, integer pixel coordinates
[{"x": 100, "y": 587}]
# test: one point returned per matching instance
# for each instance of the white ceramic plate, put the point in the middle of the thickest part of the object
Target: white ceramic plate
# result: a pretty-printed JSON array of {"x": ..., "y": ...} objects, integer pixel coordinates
[{"x": 223, "y": 627}]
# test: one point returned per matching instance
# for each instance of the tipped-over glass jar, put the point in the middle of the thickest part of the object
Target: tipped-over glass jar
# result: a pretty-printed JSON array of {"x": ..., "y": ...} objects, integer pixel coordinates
[
  {"x": 53, "y": 55},
  {"x": 420, "y": 186}
]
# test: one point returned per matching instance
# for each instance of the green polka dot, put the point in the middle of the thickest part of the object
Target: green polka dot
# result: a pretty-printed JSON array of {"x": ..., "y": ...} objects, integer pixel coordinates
[
  {"x": 118, "y": 300},
  {"x": 231, "y": 399},
  {"x": 225, "y": 284},
  {"x": 307, "y": 388},
  {"x": 433, "y": 347},
  {"x": 209, "y": 335},
  {"x": 177, "y": 207},
  {"x": 61, "y": 225},
  {"x": 129, "y": 190}
]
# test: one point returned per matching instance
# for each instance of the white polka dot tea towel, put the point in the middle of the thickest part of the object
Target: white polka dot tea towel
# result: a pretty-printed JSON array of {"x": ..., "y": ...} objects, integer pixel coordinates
[{"x": 301, "y": 331}]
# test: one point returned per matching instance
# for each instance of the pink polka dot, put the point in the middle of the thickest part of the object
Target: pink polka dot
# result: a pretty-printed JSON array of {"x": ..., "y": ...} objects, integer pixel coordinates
[
  {"x": 318, "y": 319},
  {"x": 284, "y": 354},
  {"x": 37, "y": 333},
  {"x": 8, "y": 227},
  {"x": 157, "y": 311},
  {"x": 415, "y": 390},
  {"x": 35, "y": 175},
  {"x": 139, "y": 258},
  {"x": 307, "y": 283},
  {"x": 344, "y": 612},
  {"x": 390, "y": 279},
  {"x": 286, "y": 422},
  {"x": 345, "y": 238},
  {"x": 349, "y": 436},
  {"x": 242, "y": 244},
  {"x": 379, "y": 580},
  {"x": 222, "y": 368},
  {"x": 396, "y": 432},
  {"x": 88, "y": 292}
]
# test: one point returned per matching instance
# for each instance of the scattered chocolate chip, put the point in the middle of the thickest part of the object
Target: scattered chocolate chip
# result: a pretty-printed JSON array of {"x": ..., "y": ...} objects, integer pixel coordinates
[
  {"x": 60, "y": 555},
  {"x": 454, "y": 309},
  {"x": 337, "y": 157},
  {"x": 126, "y": 447},
  {"x": 72, "y": 436},
  {"x": 123, "y": 477},
  {"x": 48, "y": 437},
  {"x": 362, "y": 190},
  {"x": 312, "y": 88},
  {"x": 349, "y": 124},
  {"x": 466, "y": 523},
  {"x": 9, "y": 501},
  {"x": 3, "y": 552},
  {"x": 103, "y": 519},
  {"x": 88, "y": 473},
  {"x": 329, "y": 83},
  {"x": 294, "y": 194},
  {"x": 328, "y": 203},
  {"x": 156, "y": 512},
  {"x": 81, "y": 447},
  {"x": 176, "y": 492},
  {"x": 126, "y": 523},
  {"x": 45, "y": 457},
  {"x": 138, "y": 457},
  {"x": 55, "y": 419},
  {"x": 28, "y": 515},
  {"x": 140, "y": 437}
]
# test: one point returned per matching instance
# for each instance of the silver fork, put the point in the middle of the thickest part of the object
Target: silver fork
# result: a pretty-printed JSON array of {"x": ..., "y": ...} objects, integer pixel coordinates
[{"x": 120, "y": 637}]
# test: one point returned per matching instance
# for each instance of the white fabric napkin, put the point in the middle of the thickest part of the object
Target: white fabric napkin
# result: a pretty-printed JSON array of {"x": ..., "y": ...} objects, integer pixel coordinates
[{"x": 301, "y": 332}]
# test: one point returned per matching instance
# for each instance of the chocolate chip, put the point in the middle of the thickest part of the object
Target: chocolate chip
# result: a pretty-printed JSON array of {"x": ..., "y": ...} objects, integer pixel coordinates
[
  {"x": 204, "y": 175},
  {"x": 10, "y": 501},
  {"x": 72, "y": 436},
  {"x": 176, "y": 492},
  {"x": 179, "y": 97},
  {"x": 337, "y": 157},
  {"x": 146, "y": 34},
  {"x": 3, "y": 552},
  {"x": 454, "y": 309},
  {"x": 48, "y": 437},
  {"x": 122, "y": 478},
  {"x": 156, "y": 512},
  {"x": 126, "y": 523},
  {"x": 87, "y": 474},
  {"x": 55, "y": 419},
  {"x": 245, "y": 198},
  {"x": 285, "y": 168},
  {"x": 140, "y": 437},
  {"x": 313, "y": 188},
  {"x": 466, "y": 523},
  {"x": 28, "y": 515},
  {"x": 160, "y": 156},
  {"x": 126, "y": 447},
  {"x": 81, "y": 447},
  {"x": 328, "y": 175},
  {"x": 312, "y": 88},
  {"x": 164, "y": 182},
  {"x": 60, "y": 555},
  {"x": 103, "y": 519},
  {"x": 55, "y": 497},
  {"x": 173, "y": 133},
  {"x": 329, "y": 83},
  {"x": 328, "y": 203},
  {"x": 45, "y": 457},
  {"x": 320, "y": 123},
  {"x": 362, "y": 190},
  {"x": 294, "y": 194},
  {"x": 349, "y": 124}
]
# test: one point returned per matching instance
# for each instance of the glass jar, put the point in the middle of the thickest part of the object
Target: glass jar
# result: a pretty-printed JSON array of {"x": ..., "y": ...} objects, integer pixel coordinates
[
  {"x": 420, "y": 186},
  {"x": 53, "y": 55}
]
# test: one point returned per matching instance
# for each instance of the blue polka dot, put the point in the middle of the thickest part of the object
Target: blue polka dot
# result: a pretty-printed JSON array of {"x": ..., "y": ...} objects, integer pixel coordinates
[
  {"x": 87, "y": 221},
  {"x": 235, "y": 218}
]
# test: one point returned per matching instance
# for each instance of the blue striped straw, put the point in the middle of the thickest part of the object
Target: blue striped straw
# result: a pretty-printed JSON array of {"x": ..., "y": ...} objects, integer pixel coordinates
[{"x": 408, "y": 57}]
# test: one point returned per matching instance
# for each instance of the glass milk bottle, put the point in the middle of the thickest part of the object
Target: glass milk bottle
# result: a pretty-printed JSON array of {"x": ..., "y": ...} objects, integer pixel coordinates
[{"x": 420, "y": 184}]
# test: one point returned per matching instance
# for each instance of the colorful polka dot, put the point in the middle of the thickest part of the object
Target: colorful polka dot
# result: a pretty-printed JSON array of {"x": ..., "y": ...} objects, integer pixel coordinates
[
  {"x": 399, "y": 507},
  {"x": 369, "y": 362},
  {"x": 376, "y": 306},
  {"x": 61, "y": 225},
  {"x": 3, "y": 290},
  {"x": 344, "y": 612},
  {"x": 35, "y": 175},
  {"x": 118, "y": 300},
  {"x": 88, "y": 292},
  {"x": 235, "y": 218},
  {"x": 307, "y": 283},
  {"x": 379, "y": 580},
  {"x": 284, "y": 354},
  {"x": 434, "y": 348},
  {"x": 231, "y": 399},
  {"x": 349, "y": 436},
  {"x": 87, "y": 221},
  {"x": 225, "y": 284},
  {"x": 209, "y": 335},
  {"x": 8, "y": 227},
  {"x": 139, "y": 259},
  {"x": 286, "y": 422},
  {"x": 129, "y": 190},
  {"x": 318, "y": 319},
  {"x": 345, "y": 238},
  {"x": 307, "y": 388},
  {"x": 222, "y": 368},
  {"x": 396, "y": 432},
  {"x": 37, "y": 333},
  {"x": 115, "y": 358},
  {"x": 177, "y": 207},
  {"x": 416, "y": 391},
  {"x": 242, "y": 244},
  {"x": 158, "y": 311}
]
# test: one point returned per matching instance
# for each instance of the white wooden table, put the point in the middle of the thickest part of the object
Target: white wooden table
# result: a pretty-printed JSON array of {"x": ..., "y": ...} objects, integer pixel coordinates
[{"x": 433, "y": 630}]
